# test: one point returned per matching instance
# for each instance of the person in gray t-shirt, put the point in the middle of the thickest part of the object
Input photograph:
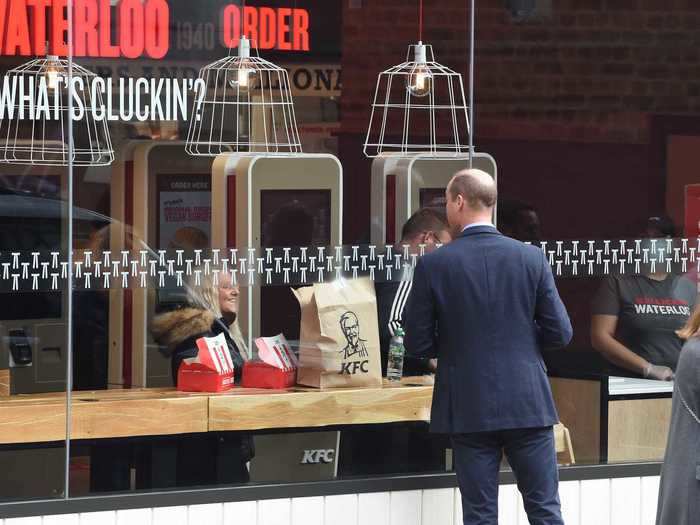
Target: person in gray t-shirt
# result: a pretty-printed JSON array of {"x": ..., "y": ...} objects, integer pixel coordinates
[{"x": 635, "y": 318}]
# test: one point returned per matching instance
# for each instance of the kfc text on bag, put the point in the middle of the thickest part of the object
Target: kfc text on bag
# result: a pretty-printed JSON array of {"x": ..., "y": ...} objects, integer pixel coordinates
[{"x": 210, "y": 371}]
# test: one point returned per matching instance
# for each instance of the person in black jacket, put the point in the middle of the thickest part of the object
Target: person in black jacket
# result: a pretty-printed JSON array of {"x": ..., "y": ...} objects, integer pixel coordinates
[
  {"x": 212, "y": 309},
  {"x": 427, "y": 227}
]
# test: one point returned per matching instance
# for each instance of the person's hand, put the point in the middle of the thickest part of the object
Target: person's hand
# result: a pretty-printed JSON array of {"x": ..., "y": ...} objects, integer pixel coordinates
[{"x": 660, "y": 373}]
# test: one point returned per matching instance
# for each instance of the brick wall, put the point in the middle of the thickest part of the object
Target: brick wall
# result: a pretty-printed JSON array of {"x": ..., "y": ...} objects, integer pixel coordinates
[
  {"x": 592, "y": 71},
  {"x": 568, "y": 103}
]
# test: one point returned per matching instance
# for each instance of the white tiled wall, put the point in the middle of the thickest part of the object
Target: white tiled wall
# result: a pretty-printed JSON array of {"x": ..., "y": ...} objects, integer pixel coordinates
[{"x": 628, "y": 501}]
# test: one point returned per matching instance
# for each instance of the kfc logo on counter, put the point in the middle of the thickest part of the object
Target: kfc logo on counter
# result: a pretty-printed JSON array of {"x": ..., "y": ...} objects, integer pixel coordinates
[{"x": 316, "y": 457}]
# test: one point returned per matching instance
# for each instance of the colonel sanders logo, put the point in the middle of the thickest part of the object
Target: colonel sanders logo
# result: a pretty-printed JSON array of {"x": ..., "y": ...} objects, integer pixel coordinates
[{"x": 351, "y": 330}]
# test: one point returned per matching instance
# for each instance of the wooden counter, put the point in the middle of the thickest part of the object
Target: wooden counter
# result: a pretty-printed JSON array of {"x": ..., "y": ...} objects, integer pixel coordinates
[
  {"x": 35, "y": 418},
  {"x": 578, "y": 402},
  {"x": 315, "y": 408},
  {"x": 613, "y": 419}
]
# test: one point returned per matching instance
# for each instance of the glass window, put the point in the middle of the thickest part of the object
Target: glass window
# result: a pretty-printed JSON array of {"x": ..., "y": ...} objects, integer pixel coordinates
[{"x": 163, "y": 179}]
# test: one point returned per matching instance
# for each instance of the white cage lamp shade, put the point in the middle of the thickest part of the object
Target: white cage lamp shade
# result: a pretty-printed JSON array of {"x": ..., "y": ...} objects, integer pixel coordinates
[
  {"x": 52, "y": 131},
  {"x": 247, "y": 107},
  {"x": 419, "y": 107}
]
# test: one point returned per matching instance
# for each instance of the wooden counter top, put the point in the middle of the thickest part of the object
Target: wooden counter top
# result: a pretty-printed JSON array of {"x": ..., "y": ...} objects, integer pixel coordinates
[
  {"x": 34, "y": 418},
  {"x": 317, "y": 408},
  {"x": 109, "y": 413}
]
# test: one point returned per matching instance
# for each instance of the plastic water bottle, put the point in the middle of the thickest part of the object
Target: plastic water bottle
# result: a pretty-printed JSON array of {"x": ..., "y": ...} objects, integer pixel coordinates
[{"x": 394, "y": 368}]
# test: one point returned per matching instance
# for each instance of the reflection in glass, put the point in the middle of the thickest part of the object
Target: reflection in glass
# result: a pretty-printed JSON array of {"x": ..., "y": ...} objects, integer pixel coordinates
[{"x": 33, "y": 332}]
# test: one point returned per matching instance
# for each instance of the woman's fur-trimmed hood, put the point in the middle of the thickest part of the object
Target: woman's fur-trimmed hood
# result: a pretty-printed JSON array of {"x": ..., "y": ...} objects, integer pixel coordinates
[{"x": 172, "y": 328}]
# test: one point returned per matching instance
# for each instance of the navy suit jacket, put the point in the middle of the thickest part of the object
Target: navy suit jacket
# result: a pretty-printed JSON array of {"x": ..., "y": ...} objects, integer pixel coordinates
[{"x": 486, "y": 306}]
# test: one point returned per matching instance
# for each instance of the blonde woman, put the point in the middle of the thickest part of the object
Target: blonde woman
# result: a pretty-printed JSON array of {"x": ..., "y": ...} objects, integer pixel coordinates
[
  {"x": 679, "y": 494},
  {"x": 212, "y": 308}
]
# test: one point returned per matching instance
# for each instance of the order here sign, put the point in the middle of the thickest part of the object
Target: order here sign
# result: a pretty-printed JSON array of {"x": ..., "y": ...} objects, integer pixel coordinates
[{"x": 135, "y": 28}]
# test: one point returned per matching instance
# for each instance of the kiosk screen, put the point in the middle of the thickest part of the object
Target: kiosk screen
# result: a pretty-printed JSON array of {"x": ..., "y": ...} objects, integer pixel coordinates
[{"x": 290, "y": 218}]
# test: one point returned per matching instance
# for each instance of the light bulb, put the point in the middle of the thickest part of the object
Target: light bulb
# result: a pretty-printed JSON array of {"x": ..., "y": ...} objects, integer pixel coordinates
[
  {"x": 420, "y": 80},
  {"x": 53, "y": 72},
  {"x": 243, "y": 74},
  {"x": 243, "y": 79}
]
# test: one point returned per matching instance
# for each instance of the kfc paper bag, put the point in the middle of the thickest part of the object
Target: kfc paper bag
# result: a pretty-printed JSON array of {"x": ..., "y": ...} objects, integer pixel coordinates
[
  {"x": 339, "y": 335},
  {"x": 210, "y": 371}
]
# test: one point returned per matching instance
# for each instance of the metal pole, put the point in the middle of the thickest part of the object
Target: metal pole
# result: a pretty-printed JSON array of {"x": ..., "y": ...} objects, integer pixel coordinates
[
  {"x": 472, "y": 17},
  {"x": 69, "y": 302}
]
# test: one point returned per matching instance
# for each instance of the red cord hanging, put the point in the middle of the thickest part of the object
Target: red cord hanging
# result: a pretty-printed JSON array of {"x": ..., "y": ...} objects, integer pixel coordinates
[
  {"x": 242, "y": 19},
  {"x": 420, "y": 20}
]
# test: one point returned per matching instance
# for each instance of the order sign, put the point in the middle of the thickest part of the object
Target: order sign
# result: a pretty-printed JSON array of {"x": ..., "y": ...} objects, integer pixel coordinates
[{"x": 148, "y": 28}]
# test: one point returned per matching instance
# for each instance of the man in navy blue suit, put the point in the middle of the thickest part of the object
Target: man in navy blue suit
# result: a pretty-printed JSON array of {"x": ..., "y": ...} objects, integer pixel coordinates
[{"x": 486, "y": 306}]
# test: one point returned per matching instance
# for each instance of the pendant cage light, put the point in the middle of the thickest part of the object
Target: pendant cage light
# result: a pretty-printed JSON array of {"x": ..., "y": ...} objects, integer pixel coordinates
[
  {"x": 419, "y": 106},
  {"x": 247, "y": 106},
  {"x": 45, "y": 132}
]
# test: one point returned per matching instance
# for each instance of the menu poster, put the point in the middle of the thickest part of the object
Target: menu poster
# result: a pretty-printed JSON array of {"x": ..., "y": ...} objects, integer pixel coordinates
[{"x": 184, "y": 207}]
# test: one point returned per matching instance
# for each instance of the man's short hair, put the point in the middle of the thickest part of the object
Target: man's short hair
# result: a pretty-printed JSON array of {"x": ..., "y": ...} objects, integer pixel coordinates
[
  {"x": 469, "y": 185},
  {"x": 424, "y": 220}
]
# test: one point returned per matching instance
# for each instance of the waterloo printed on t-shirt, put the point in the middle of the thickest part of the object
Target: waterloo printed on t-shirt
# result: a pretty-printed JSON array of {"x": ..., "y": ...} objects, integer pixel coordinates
[{"x": 655, "y": 306}]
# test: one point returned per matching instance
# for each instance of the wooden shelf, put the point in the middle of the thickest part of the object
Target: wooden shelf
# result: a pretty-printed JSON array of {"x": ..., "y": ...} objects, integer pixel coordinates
[{"x": 36, "y": 418}]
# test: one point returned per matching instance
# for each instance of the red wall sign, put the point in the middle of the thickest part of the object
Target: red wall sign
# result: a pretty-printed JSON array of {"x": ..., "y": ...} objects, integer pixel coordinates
[
  {"x": 284, "y": 28},
  {"x": 141, "y": 28}
]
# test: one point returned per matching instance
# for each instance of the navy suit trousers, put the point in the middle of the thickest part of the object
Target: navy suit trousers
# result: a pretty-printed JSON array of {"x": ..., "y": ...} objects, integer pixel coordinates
[{"x": 532, "y": 456}]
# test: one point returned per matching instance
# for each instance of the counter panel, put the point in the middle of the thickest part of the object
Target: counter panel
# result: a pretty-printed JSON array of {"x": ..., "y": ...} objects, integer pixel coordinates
[
  {"x": 578, "y": 402},
  {"x": 315, "y": 408},
  {"x": 638, "y": 429}
]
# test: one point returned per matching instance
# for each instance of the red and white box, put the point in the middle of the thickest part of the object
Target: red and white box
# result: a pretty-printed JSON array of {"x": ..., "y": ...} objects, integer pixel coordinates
[
  {"x": 276, "y": 366},
  {"x": 210, "y": 371}
]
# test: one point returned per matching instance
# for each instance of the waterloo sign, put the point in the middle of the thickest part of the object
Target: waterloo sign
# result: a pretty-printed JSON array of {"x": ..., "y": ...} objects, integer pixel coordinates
[{"x": 136, "y": 28}]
